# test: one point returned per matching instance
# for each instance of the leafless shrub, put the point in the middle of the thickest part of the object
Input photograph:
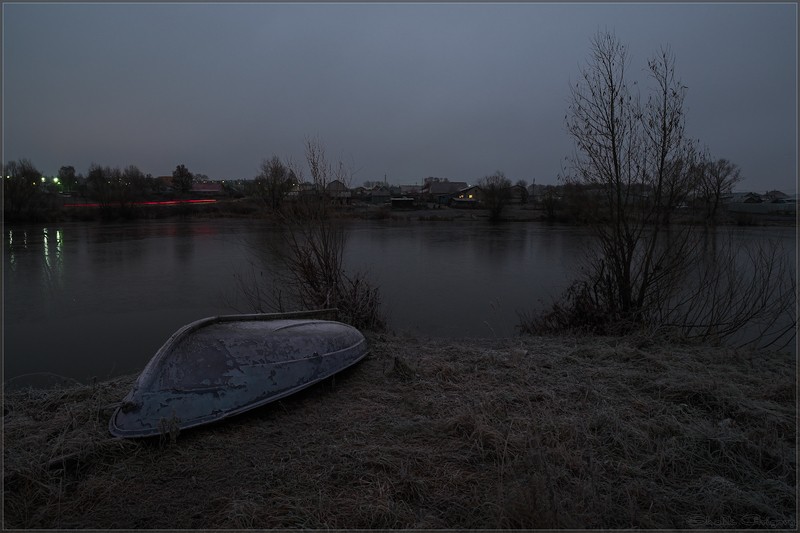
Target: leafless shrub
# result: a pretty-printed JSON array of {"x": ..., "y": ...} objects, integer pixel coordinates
[
  {"x": 496, "y": 192},
  {"x": 741, "y": 293},
  {"x": 311, "y": 274},
  {"x": 747, "y": 294},
  {"x": 274, "y": 182},
  {"x": 637, "y": 164},
  {"x": 314, "y": 278}
]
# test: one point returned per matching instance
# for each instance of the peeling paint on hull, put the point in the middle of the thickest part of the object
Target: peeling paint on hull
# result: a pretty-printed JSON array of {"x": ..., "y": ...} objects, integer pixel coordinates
[{"x": 222, "y": 366}]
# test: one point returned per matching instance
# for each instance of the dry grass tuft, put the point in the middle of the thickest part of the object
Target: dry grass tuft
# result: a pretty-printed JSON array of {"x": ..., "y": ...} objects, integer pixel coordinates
[{"x": 518, "y": 433}]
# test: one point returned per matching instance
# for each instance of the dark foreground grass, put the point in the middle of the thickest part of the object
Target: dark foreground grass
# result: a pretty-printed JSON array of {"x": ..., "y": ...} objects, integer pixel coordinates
[{"x": 518, "y": 433}]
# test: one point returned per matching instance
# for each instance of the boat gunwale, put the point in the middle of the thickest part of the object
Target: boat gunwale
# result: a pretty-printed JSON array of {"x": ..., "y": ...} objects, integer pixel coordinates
[
  {"x": 175, "y": 338},
  {"x": 154, "y": 432},
  {"x": 150, "y": 368}
]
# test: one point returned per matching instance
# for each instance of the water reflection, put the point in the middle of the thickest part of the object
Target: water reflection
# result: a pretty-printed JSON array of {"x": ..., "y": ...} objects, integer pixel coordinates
[
  {"x": 12, "y": 259},
  {"x": 53, "y": 263},
  {"x": 435, "y": 279},
  {"x": 184, "y": 243},
  {"x": 17, "y": 240}
]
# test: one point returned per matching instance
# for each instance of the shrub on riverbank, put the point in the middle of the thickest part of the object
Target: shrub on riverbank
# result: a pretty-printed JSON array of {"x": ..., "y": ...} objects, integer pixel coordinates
[{"x": 530, "y": 433}]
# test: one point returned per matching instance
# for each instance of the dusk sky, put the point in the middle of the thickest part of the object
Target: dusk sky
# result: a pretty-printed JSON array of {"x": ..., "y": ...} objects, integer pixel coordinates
[{"x": 403, "y": 90}]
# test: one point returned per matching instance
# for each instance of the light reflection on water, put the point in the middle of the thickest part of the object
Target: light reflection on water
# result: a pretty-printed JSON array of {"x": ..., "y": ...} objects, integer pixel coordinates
[
  {"x": 85, "y": 299},
  {"x": 52, "y": 255}
]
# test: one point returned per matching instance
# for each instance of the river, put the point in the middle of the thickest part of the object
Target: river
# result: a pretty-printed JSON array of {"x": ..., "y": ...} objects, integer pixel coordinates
[{"x": 96, "y": 300}]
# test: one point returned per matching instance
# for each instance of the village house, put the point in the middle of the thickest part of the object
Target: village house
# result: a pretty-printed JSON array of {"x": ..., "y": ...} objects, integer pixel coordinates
[
  {"x": 338, "y": 191},
  {"x": 772, "y": 196},
  {"x": 469, "y": 197},
  {"x": 359, "y": 193},
  {"x": 743, "y": 198},
  {"x": 440, "y": 192},
  {"x": 379, "y": 195},
  {"x": 410, "y": 190}
]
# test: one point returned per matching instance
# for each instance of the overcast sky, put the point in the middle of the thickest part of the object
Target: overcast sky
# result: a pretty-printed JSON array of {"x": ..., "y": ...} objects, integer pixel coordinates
[{"x": 403, "y": 90}]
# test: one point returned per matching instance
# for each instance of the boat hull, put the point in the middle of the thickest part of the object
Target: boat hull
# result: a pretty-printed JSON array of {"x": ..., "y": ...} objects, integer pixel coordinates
[{"x": 222, "y": 366}]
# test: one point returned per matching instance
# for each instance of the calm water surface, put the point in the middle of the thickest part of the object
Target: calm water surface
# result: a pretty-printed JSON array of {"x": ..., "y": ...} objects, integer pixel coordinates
[{"x": 87, "y": 300}]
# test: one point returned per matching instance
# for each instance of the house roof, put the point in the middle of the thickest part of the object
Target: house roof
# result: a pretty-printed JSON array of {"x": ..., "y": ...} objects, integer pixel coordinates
[
  {"x": 737, "y": 197},
  {"x": 446, "y": 187},
  {"x": 336, "y": 185},
  {"x": 207, "y": 187}
]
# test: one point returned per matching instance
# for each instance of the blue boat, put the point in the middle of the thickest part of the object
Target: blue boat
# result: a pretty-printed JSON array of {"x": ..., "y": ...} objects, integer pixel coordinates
[{"x": 221, "y": 366}]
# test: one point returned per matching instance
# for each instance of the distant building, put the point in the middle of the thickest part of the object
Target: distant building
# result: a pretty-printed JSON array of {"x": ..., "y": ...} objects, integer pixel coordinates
[
  {"x": 410, "y": 190},
  {"x": 209, "y": 188},
  {"x": 379, "y": 195},
  {"x": 338, "y": 191},
  {"x": 441, "y": 192},
  {"x": 771, "y": 196},
  {"x": 742, "y": 198},
  {"x": 468, "y": 197},
  {"x": 359, "y": 193}
]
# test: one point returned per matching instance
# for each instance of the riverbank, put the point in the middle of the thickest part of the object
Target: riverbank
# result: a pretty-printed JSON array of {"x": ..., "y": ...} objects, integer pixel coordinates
[
  {"x": 85, "y": 211},
  {"x": 527, "y": 432}
]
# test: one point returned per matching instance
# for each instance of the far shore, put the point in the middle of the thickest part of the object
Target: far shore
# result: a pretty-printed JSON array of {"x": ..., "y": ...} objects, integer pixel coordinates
[
  {"x": 252, "y": 208},
  {"x": 525, "y": 432}
]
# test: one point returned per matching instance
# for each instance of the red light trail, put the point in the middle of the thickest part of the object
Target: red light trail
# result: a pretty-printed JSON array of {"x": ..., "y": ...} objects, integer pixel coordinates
[{"x": 165, "y": 202}]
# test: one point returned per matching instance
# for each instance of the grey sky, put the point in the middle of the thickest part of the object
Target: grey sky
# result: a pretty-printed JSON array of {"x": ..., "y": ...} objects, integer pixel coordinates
[{"x": 408, "y": 90}]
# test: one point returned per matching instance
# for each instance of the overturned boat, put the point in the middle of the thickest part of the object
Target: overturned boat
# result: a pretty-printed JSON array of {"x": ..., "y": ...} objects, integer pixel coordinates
[{"x": 222, "y": 366}]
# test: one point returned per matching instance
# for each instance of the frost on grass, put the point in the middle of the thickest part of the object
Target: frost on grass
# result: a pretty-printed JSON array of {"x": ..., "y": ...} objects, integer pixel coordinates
[{"x": 520, "y": 433}]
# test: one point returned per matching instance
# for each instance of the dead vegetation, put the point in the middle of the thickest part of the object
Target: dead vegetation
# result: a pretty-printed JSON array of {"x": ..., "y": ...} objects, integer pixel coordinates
[{"x": 518, "y": 433}]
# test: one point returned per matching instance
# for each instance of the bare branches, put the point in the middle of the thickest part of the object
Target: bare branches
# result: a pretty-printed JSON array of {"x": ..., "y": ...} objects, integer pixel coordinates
[
  {"x": 312, "y": 275},
  {"x": 497, "y": 192},
  {"x": 274, "y": 182},
  {"x": 745, "y": 293},
  {"x": 636, "y": 159},
  {"x": 716, "y": 179}
]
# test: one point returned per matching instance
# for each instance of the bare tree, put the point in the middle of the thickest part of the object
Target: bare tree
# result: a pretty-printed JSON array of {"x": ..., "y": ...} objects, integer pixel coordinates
[
  {"x": 274, "y": 182},
  {"x": 182, "y": 179},
  {"x": 550, "y": 202},
  {"x": 312, "y": 274},
  {"x": 716, "y": 179},
  {"x": 67, "y": 177},
  {"x": 635, "y": 157},
  {"x": 496, "y": 193},
  {"x": 23, "y": 193},
  {"x": 632, "y": 155},
  {"x": 134, "y": 184}
]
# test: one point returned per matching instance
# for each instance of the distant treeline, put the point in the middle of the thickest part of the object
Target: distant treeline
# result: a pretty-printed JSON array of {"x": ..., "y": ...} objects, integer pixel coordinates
[{"x": 104, "y": 192}]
